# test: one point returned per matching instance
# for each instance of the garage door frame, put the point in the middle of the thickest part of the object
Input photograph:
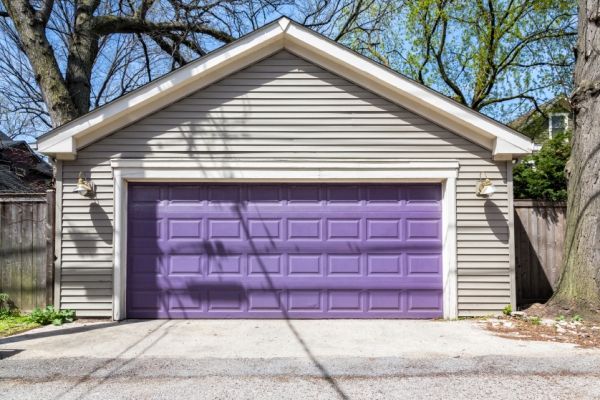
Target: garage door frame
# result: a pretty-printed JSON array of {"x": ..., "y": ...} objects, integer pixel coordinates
[{"x": 268, "y": 171}]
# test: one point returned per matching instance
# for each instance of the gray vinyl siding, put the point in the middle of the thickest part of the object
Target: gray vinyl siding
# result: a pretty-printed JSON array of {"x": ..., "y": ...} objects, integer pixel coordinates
[{"x": 284, "y": 108}]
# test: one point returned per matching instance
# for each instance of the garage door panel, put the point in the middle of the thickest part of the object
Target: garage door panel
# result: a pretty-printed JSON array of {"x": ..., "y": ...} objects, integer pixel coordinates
[
  {"x": 230, "y": 302},
  {"x": 222, "y": 247},
  {"x": 284, "y": 251},
  {"x": 289, "y": 266},
  {"x": 265, "y": 301},
  {"x": 424, "y": 300},
  {"x": 196, "y": 282}
]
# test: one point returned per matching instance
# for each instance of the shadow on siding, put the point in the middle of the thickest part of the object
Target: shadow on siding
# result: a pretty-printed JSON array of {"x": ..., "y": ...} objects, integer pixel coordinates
[{"x": 496, "y": 220}]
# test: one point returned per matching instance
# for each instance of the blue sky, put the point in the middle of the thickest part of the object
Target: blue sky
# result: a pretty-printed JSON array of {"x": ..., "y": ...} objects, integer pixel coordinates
[{"x": 133, "y": 74}]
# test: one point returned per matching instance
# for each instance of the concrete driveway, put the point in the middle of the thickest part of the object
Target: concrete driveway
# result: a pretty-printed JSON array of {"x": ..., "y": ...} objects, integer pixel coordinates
[{"x": 326, "y": 359}]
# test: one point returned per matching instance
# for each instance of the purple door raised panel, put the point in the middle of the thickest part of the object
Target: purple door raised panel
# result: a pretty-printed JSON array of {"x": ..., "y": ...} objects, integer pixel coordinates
[{"x": 284, "y": 251}]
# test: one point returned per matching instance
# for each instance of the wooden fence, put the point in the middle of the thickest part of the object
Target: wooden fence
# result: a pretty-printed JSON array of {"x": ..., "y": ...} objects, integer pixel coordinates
[
  {"x": 539, "y": 235},
  {"x": 27, "y": 248}
]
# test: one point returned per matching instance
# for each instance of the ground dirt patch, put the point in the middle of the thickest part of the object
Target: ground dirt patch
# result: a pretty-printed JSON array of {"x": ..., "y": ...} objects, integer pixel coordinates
[
  {"x": 554, "y": 310},
  {"x": 542, "y": 326}
]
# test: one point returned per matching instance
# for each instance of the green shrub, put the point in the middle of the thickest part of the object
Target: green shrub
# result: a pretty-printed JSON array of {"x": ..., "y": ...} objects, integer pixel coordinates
[
  {"x": 577, "y": 318},
  {"x": 541, "y": 176},
  {"x": 50, "y": 315},
  {"x": 7, "y": 307},
  {"x": 507, "y": 310},
  {"x": 535, "y": 320}
]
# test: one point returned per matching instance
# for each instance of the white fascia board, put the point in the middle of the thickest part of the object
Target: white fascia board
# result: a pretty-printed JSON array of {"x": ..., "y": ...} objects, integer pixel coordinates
[
  {"x": 163, "y": 91},
  {"x": 505, "y": 151},
  {"x": 65, "y": 146},
  {"x": 405, "y": 92}
]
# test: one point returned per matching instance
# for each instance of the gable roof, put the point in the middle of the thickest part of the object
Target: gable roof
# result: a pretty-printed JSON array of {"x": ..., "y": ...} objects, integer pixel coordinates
[
  {"x": 559, "y": 102},
  {"x": 64, "y": 141}
]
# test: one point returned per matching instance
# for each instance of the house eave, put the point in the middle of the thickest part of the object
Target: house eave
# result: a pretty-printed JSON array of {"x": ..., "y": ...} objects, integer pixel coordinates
[{"x": 502, "y": 141}]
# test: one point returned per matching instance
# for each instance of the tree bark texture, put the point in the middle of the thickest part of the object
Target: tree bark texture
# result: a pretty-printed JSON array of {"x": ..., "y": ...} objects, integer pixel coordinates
[
  {"x": 31, "y": 26},
  {"x": 68, "y": 96},
  {"x": 579, "y": 285},
  {"x": 83, "y": 50}
]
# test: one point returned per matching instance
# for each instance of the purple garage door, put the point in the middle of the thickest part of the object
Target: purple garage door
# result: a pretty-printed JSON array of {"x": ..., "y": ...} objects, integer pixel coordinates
[{"x": 284, "y": 251}]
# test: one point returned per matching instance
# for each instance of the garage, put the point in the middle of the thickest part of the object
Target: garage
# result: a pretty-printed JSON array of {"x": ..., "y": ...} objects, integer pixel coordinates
[
  {"x": 284, "y": 176},
  {"x": 257, "y": 250}
]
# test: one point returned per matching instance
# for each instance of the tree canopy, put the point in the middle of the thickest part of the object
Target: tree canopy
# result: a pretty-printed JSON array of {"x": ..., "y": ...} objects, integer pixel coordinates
[
  {"x": 61, "y": 58},
  {"x": 501, "y": 57}
]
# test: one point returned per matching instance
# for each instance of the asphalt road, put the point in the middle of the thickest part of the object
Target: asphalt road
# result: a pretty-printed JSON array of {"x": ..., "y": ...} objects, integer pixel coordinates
[{"x": 290, "y": 360}]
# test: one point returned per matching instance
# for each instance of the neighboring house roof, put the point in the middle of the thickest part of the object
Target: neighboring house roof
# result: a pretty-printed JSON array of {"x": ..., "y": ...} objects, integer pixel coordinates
[
  {"x": 538, "y": 124},
  {"x": 11, "y": 183},
  {"x": 560, "y": 103},
  {"x": 37, "y": 162},
  {"x": 21, "y": 169},
  {"x": 64, "y": 142}
]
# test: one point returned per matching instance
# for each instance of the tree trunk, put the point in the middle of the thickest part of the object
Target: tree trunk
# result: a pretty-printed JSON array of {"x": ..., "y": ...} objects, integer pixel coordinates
[
  {"x": 32, "y": 34},
  {"x": 83, "y": 50},
  {"x": 579, "y": 286}
]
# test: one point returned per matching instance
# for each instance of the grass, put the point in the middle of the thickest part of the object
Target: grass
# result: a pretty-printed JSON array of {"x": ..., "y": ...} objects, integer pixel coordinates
[{"x": 15, "y": 324}]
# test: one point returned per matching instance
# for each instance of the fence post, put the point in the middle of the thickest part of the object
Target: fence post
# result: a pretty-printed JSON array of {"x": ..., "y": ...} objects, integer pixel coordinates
[{"x": 50, "y": 226}]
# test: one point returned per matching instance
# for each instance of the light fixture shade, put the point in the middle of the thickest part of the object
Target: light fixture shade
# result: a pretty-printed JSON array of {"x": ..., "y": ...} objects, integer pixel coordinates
[
  {"x": 486, "y": 188},
  {"x": 82, "y": 190},
  {"x": 83, "y": 187}
]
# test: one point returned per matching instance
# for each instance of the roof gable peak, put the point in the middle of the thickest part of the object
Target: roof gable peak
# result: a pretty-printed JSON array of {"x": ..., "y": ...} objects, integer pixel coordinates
[{"x": 63, "y": 142}]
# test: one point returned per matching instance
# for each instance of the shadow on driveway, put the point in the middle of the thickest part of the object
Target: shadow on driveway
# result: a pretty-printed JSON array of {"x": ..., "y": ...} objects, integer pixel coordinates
[{"x": 63, "y": 331}]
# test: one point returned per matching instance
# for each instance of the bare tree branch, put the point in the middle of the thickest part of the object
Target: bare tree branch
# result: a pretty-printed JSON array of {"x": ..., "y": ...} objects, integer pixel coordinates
[
  {"x": 105, "y": 25},
  {"x": 442, "y": 67},
  {"x": 77, "y": 59},
  {"x": 356, "y": 10},
  {"x": 146, "y": 56},
  {"x": 170, "y": 49},
  {"x": 44, "y": 12}
]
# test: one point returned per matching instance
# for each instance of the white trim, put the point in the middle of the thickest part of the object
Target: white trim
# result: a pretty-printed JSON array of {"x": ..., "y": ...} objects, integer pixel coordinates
[
  {"x": 511, "y": 235},
  {"x": 64, "y": 141},
  {"x": 120, "y": 246},
  {"x": 58, "y": 228},
  {"x": 550, "y": 128},
  {"x": 125, "y": 171},
  {"x": 283, "y": 23},
  {"x": 450, "y": 276},
  {"x": 211, "y": 162},
  {"x": 209, "y": 169}
]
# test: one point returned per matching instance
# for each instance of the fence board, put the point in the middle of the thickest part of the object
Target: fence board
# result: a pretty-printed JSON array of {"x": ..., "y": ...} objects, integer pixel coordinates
[
  {"x": 27, "y": 277},
  {"x": 39, "y": 256},
  {"x": 539, "y": 235},
  {"x": 26, "y": 249}
]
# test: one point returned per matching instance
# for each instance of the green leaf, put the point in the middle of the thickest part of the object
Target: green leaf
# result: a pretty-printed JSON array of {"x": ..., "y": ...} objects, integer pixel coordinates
[
  {"x": 50, "y": 315},
  {"x": 542, "y": 175}
]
